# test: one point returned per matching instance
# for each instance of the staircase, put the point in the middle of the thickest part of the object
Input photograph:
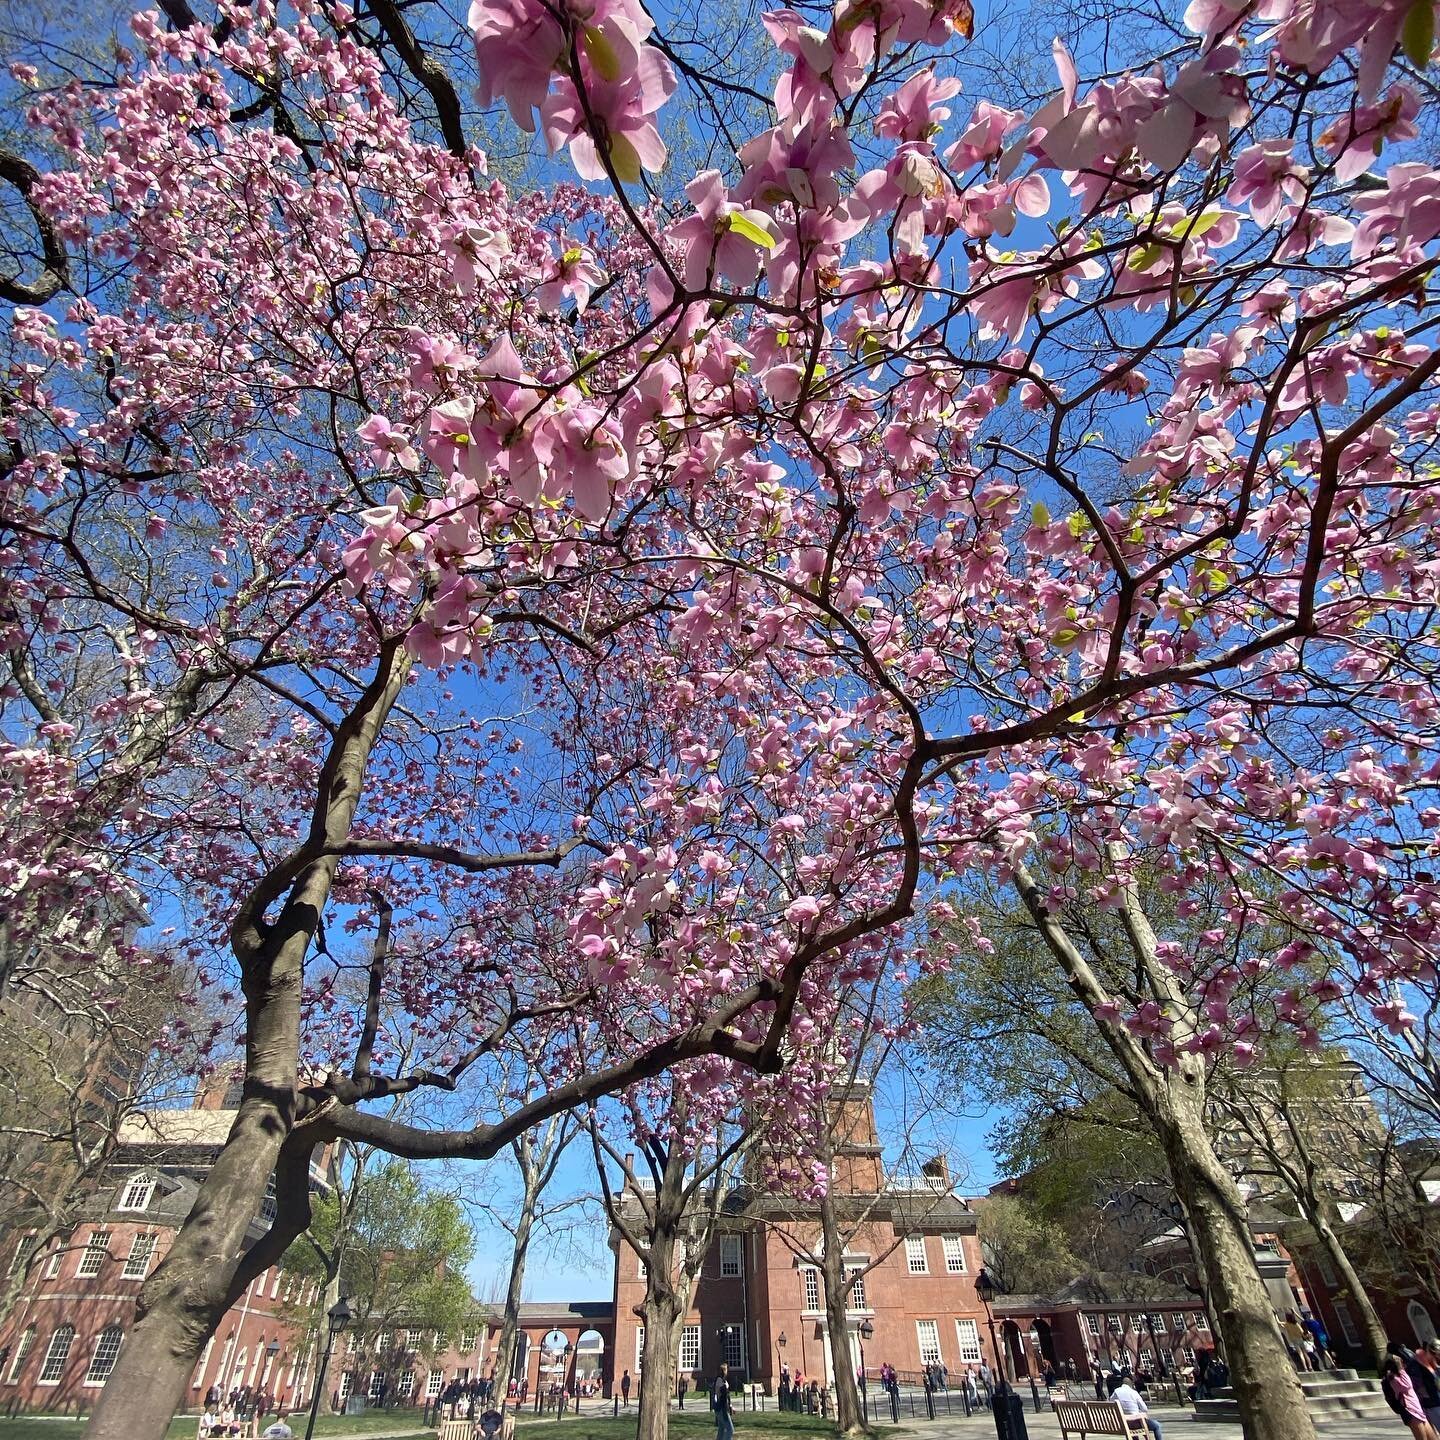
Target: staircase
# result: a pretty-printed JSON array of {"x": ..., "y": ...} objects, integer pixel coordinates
[{"x": 1334, "y": 1395}]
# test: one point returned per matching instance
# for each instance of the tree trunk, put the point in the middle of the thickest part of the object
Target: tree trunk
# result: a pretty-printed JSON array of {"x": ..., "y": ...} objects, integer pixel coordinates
[
  {"x": 661, "y": 1314},
  {"x": 1370, "y": 1324},
  {"x": 849, "y": 1413},
  {"x": 510, "y": 1320},
  {"x": 207, "y": 1268},
  {"x": 1272, "y": 1404}
]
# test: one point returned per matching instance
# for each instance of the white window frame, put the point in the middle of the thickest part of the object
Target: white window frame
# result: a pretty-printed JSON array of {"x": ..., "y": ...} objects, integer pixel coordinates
[
  {"x": 57, "y": 1361},
  {"x": 469, "y": 1339},
  {"x": 732, "y": 1256},
  {"x": 917, "y": 1261},
  {"x": 732, "y": 1346},
  {"x": 639, "y": 1349},
  {"x": 967, "y": 1338},
  {"x": 642, "y": 1270},
  {"x": 690, "y": 1348},
  {"x": 954, "y": 1248},
  {"x": 52, "y": 1265},
  {"x": 928, "y": 1355},
  {"x": 22, "y": 1354},
  {"x": 1181, "y": 1321},
  {"x": 142, "y": 1252},
  {"x": 372, "y": 1390},
  {"x": 1348, "y": 1328},
  {"x": 204, "y": 1361},
  {"x": 94, "y": 1381},
  {"x": 139, "y": 1191},
  {"x": 1092, "y": 1324},
  {"x": 434, "y": 1384},
  {"x": 406, "y": 1384},
  {"x": 1115, "y": 1324},
  {"x": 855, "y": 1287},
  {"x": 1158, "y": 1316},
  {"x": 93, "y": 1256},
  {"x": 810, "y": 1278}
]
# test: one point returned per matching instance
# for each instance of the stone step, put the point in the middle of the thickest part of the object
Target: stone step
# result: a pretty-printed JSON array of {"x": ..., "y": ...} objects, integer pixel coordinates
[
  {"x": 1341, "y": 1387},
  {"x": 1333, "y": 1403}
]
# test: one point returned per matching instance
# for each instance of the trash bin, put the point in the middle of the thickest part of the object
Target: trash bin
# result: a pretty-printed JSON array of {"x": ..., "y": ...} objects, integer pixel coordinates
[{"x": 1009, "y": 1411}]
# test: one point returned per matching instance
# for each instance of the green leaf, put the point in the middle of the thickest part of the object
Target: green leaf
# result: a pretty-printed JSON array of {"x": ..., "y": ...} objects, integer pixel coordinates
[
  {"x": 742, "y": 225},
  {"x": 1417, "y": 35},
  {"x": 1040, "y": 515},
  {"x": 1065, "y": 636},
  {"x": 1144, "y": 257},
  {"x": 601, "y": 54}
]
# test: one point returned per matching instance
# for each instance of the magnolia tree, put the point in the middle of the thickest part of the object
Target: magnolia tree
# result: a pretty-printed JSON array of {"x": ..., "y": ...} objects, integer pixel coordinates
[{"x": 756, "y": 560}]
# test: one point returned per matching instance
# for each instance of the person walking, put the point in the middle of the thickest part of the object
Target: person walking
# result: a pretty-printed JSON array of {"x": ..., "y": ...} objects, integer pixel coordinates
[
  {"x": 986, "y": 1383},
  {"x": 720, "y": 1404},
  {"x": 1427, "y": 1360},
  {"x": 1399, "y": 1392},
  {"x": 625, "y": 1389}
]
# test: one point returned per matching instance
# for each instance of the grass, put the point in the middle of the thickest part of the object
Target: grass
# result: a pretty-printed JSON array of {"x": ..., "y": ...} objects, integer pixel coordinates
[
  {"x": 690, "y": 1424},
  {"x": 687, "y": 1424},
  {"x": 43, "y": 1427}
]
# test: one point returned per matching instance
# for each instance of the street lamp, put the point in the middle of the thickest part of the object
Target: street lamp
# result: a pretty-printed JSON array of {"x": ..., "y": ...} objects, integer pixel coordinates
[
  {"x": 271, "y": 1351},
  {"x": 866, "y": 1332},
  {"x": 337, "y": 1319},
  {"x": 985, "y": 1292}
]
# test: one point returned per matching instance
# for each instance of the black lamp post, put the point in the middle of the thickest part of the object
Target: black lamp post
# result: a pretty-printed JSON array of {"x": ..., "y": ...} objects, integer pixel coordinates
[
  {"x": 985, "y": 1290},
  {"x": 271, "y": 1351},
  {"x": 866, "y": 1332},
  {"x": 337, "y": 1319}
]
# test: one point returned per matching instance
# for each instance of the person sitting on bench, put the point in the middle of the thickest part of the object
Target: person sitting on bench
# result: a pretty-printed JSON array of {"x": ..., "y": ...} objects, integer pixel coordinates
[{"x": 1132, "y": 1402}]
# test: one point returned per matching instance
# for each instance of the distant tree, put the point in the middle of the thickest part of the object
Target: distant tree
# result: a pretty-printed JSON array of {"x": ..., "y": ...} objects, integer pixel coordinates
[
  {"x": 1024, "y": 1252},
  {"x": 399, "y": 1248}
]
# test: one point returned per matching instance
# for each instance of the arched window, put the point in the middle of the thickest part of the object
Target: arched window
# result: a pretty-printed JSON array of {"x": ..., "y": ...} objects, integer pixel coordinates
[
  {"x": 1421, "y": 1323},
  {"x": 57, "y": 1355},
  {"x": 22, "y": 1354},
  {"x": 102, "y": 1362}
]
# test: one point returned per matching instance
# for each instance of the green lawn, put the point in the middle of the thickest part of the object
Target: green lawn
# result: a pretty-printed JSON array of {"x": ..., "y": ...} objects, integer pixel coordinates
[
  {"x": 41, "y": 1427},
  {"x": 687, "y": 1424}
]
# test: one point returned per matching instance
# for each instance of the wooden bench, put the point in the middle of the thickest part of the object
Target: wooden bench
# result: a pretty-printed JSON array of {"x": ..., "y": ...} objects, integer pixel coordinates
[
  {"x": 1097, "y": 1417},
  {"x": 462, "y": 1429}
]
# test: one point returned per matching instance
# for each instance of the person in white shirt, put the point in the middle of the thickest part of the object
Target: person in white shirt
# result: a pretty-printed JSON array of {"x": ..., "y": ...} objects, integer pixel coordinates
[{"x": 1133, "y": 1403}]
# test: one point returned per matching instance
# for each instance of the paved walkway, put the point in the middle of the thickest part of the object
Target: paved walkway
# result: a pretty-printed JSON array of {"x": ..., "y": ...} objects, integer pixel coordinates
[{"x": 1177, "y": 1424}]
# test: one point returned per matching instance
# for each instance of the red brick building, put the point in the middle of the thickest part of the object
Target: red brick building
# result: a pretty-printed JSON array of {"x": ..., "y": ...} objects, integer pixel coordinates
[
  {"x": 78, "y": 1302},
  {"x": 759, "y": 1304}
]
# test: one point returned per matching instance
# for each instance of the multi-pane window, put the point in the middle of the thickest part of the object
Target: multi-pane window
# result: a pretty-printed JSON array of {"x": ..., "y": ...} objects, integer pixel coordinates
[
  {"x": 1158, "y": 1320},
  {"x": 857, "y": 1289},
  {"x": 915, "y": 1260},
  {"x": 1347, "y": 1323},
  {"x": 812, "y": 1289},
  {"x": 639, "y": 1348},
  {"x": 347, "y": 1381},
  {"x": 954, "y": 1247},
  {"x": 52, "y": 1268},
  {"x": 1201, "y": 1323},
  {"x": 97, "y": 1247},
  {"x": 1114, "y": 1325},
  {"x": 1092, "y": 1324},
  {"x": 19, "y": 1254},
  {"x": 376, "y": 1392},
  {"x": 137, "y": 1262},
  {"x": 928, "y": 1333},
  {"x": 434, "y": 1383},
  {"x": 690, "y": 1348},
  {"x": 407, "y": 1385},
  {"x": 382, "y": 1341},
  {"x": 136, "y": 1194},
  {"x": 732, "y": 1347},
  {"x": 642, "y": 1271},
  {"x": 1181, "y": 1321},
  {"x": 467, "y": 1339},
  {"x": 730, "y": 1255},
  {"x": 204, "y": 1361},
  {"x": 57, "y": 1355},
  {"x": 22, "y": 1354},
  {"x": 968, "y": 1334},
  {"x": 102, "y": 1362}
]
